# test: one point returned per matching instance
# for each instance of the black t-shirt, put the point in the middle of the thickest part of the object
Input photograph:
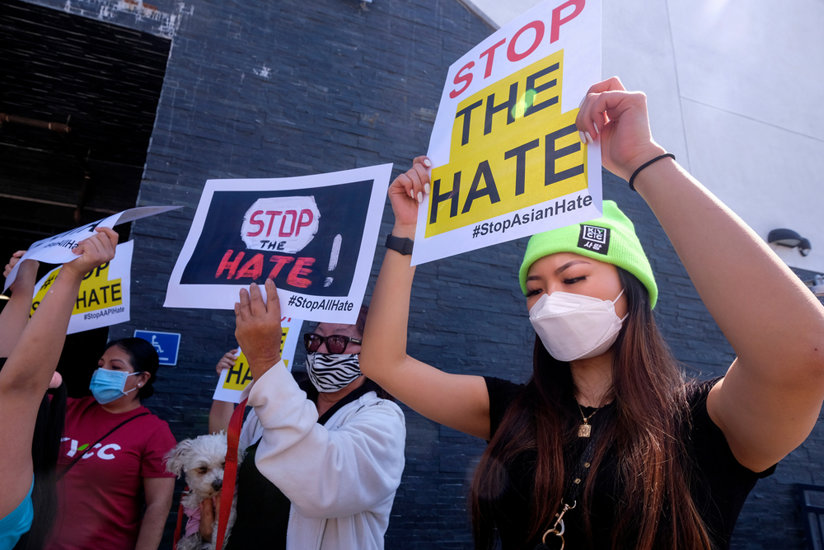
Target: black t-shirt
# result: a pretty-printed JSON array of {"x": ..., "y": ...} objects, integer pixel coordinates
[{"x": 719, "y": 484}]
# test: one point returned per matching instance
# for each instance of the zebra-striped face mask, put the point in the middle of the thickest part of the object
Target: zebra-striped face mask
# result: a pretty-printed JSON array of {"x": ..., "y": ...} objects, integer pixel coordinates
[{"x": 332, "y": 371}]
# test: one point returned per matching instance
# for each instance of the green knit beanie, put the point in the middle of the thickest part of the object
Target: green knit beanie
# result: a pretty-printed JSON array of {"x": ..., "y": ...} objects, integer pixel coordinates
[{"x": 610, "y": 238}]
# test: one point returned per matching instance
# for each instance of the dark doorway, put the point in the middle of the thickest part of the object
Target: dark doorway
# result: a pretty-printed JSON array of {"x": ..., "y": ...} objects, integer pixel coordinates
[{"x": 77, "y": 107}]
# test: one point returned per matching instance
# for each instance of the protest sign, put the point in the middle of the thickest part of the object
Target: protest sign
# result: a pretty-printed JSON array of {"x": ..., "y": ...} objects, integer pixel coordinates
[
  {"x": 314, "y": 236},
  {"x": 507, "y": 158},
  {"x": 58, "y": 249},
  {"x": 232, "y": 382},
  {"x": 104, "y": 298}
]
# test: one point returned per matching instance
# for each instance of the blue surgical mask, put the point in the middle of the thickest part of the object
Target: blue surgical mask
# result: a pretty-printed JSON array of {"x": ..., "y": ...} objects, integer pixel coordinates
[{"x": 107, "y": 385}]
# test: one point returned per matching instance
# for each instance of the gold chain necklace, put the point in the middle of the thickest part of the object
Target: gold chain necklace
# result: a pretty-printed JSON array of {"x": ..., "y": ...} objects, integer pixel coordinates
[{"x": 585, "y": 429}]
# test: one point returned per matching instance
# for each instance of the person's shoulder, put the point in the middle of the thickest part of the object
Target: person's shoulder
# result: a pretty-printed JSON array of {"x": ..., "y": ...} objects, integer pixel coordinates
[
  {"x": 388, "y": 404},
  {"x": 502, "y": 394},
  {"x": 697, "y": 390},
  {"x": 83, "y": 407},
  {"x": 151, "y": 423},
  {"x": 501, "y": 387},
  {"x": 81, "y": 402},
  {"x": 372, "y": 399},
  {"x": 369, "y": 409},
  {"x": 148, "y": 416}
]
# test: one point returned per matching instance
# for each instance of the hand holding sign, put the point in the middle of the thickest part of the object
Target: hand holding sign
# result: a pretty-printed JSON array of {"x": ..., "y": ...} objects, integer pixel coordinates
[
  {"x": 227, "y": 361},
  {"x": 26, "y": 273},
  {"x": 624, "y": 146},
  {"x": 406, "y": 193},
  {"x": 92, "y": 252},
  {"x": 257, "y": 327}
]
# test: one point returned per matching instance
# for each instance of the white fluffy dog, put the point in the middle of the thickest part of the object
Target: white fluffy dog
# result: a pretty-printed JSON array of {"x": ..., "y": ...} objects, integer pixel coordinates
[{"x": 200, "y": 461}]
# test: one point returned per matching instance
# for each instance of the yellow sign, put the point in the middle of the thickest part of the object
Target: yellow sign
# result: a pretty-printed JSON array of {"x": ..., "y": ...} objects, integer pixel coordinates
[
  {"x": 96, "y": 291},
  {"x": 239, "y": 376},
  {"x": 511, "y": 148}
]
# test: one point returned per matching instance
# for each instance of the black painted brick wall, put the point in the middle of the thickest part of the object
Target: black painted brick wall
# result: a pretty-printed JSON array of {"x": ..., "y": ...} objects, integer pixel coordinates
[{"x": 353, "y": 85}]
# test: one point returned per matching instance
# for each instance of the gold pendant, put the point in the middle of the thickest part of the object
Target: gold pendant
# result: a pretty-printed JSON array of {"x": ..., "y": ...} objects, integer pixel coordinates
[{"x": 584, "y": 430}]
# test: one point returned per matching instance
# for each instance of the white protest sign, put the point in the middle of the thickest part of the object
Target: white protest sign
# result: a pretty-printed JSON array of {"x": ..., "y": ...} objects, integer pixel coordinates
[
  {"x": 58, "y": 249},
  {"x": 232, "y": 382},
  {"x": 314, "y": 236},
  {"x": 507, "y": 158},
  {"x": 104, "y": 298}
]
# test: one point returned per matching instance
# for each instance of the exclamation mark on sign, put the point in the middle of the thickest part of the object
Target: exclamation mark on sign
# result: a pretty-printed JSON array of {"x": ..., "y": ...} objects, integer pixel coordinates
[{"x": 333, "y": 259}]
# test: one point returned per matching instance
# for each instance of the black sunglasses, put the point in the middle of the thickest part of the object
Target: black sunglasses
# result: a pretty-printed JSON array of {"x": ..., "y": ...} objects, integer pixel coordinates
[{"x": 335, "y": 343}]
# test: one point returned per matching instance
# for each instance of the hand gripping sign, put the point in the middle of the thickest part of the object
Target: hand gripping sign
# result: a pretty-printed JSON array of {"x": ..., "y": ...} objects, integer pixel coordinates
[
  {"x": 314, "y": 236},
  {"x": 104, "y": 298},
  {"x": 233, "y": 381},
  {"x": 508, "y": 160}
]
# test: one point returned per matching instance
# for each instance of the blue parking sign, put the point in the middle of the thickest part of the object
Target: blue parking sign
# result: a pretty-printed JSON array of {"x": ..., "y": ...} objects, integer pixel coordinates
[{"x": 165, "y": 343}]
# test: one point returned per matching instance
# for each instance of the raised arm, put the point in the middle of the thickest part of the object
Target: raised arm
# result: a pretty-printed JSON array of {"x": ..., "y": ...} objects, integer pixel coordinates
[
  {"x": 15, "y": 314},
  {"x": 455, "y": 400},
  {"x": 29, "y": 368},
  {"x": 770, "y": 398}
]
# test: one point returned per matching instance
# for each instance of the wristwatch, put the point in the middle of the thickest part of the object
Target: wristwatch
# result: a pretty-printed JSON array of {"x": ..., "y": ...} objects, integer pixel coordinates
[{"x": 399, "y": 244}]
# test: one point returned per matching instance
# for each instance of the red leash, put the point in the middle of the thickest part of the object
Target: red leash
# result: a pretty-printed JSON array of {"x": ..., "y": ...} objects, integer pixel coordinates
[
  {"x": 227, "y": 493},
  {"x": 179, "y": 525}
]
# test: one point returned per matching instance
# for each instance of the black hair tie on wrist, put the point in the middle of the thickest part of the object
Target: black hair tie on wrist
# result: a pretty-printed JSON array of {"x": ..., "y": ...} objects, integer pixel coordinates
[{"x": 656, "y": 159}]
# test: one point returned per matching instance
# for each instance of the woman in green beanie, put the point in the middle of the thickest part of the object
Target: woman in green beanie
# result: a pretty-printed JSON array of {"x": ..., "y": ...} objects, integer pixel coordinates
[{"x": 607, "y": 445}]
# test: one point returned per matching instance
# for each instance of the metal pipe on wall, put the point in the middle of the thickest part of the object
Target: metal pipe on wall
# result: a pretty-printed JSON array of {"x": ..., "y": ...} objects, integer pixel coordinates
[{"x": 34, "y": 123}]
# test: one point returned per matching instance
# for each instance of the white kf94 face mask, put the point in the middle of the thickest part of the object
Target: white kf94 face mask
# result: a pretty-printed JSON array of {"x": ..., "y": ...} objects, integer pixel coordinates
[{"x": 573, "y": 326}]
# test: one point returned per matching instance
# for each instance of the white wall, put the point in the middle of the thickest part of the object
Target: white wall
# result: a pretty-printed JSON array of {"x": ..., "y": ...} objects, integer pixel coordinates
[{"x": 735, "y": 91}]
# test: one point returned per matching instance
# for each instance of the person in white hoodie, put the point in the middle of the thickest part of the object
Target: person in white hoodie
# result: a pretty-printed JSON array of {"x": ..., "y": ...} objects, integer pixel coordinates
[{"x": 323, "y": 457}]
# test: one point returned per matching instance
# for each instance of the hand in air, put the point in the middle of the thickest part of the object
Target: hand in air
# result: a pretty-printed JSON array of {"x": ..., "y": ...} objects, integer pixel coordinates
[
  {"x": 93, "y": 251},
  {"x": 26, "y": 273},
  {"x": 407, "y": 193},
  {"x": 618, "y": 119},
  {"x": 257, "y": 327},
  {"x": 227, "y": 361}
]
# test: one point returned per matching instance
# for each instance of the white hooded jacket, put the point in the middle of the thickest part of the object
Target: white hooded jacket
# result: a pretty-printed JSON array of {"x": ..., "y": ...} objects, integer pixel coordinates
[{"x": 340, "y": 477}]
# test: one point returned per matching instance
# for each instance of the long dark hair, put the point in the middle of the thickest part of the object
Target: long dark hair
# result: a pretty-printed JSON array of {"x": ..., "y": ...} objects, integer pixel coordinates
[
  {"x": 45, "y": 448},
  {"x": 645, "y": 433}
]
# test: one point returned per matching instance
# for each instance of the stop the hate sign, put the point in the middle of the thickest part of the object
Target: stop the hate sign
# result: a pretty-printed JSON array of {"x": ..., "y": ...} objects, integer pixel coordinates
[
  {"x": 508, "y": 160},
  {"x": 314, "y": 236}
]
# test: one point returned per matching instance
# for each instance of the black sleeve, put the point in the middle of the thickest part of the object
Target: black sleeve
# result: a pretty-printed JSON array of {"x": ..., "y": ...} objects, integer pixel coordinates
[
  {"x": 706, "y": 435},
  {"x": 719, "y": 483},
  {"x": 501, "y": 394}
]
